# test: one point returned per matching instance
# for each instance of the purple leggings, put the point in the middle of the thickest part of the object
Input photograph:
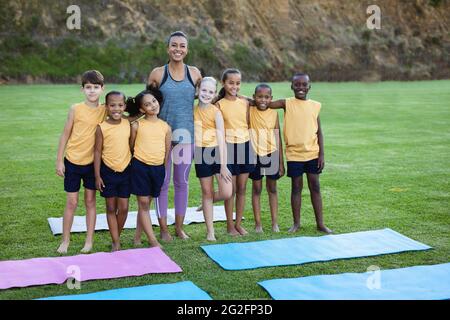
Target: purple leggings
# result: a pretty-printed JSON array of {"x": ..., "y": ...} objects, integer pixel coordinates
[{"x": 182, "y": 155}]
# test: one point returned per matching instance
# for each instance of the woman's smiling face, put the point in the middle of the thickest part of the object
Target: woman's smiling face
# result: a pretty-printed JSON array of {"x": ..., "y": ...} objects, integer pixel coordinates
[{"x": 178, "y": 48}]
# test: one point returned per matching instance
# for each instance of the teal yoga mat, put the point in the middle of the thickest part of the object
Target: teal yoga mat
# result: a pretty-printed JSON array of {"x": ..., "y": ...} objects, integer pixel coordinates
[
  {"x": 300, "y": 250},
  {"x": 413, "y": 283},
  {"x": 185, "y": 290}
]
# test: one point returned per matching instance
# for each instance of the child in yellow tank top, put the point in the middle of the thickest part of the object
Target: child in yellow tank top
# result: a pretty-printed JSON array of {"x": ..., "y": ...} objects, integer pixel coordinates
[
  {"x": 112, "y": 158},
  {"x": 150, "y": 143},
  {"x": 266, "y": 141},
  {"x": 75, "y": 157},
  {"x": 235, "y": 111},
  {"x": 304, "y": 147},
  {"x": 210, "y": 153}
]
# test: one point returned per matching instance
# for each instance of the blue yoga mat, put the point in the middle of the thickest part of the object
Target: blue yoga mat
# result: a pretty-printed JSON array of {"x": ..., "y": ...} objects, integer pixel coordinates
[
  {"x": 185, "y": 290},
  {"x": 300, "y": 250},
  {"x": 413, "y": 283}
]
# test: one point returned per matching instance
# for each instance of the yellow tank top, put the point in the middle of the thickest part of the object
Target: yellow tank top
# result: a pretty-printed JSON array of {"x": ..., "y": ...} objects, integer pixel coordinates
[
  {"x": 262, "y": 130},
  {"x": 235, "y": 120},
  {"x": 300, "y": 129},
  {"x": 205, "y": 126},
  {"x": 116, "y": 145},
  {"x": 150, "y": 145},
  {"x": 80, "y": 147}
]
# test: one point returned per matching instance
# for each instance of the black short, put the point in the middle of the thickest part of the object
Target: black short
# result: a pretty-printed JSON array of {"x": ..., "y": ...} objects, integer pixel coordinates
[
  {"x": 267, "y": 166},
  {"x": 74, "y": 173},
  {"x": 146, "y": 180},
  {"x": 117, "y": 184},
  {"x": 240, "y": 158},
  {"x": 297, "y": 168},
  {"x": 207, "y": 161}
]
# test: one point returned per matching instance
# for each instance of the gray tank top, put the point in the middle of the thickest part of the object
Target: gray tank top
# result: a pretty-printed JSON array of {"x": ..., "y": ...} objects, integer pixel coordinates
[{"x": 178, "y": 105}]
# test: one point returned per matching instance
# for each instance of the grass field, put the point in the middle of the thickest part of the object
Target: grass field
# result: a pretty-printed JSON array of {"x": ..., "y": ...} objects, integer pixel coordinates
[{"x": 387, "y": 165}]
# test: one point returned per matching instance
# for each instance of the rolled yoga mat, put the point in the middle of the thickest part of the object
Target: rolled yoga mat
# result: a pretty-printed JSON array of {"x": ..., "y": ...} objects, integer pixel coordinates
[
  {"x": 192, "y": 216},
  {"x": 102, "y": 265},
  {"x": 185, "y": 290},
  {"x": 412, "y": 283},
  {"x": 300, "y": 250}
]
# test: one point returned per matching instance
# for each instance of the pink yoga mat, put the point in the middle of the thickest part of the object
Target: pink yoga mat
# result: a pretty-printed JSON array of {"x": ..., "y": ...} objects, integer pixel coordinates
[{"x": 102, "y": 265}]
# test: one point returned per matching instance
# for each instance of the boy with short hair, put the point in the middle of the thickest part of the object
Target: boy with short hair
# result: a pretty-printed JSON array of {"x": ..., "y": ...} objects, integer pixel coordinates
[
  {"x": 266, "y": 142},
  {"x": 77, "y": 142},
  {"x": 304, "y": 147}
]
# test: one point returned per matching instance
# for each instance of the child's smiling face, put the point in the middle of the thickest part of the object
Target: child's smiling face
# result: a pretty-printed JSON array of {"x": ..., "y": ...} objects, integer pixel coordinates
[
  {"x": 115, "y": 106},
  {"x": 232, "y": 84},
  {"x": 262, "y": 98},
  {"x": 301, "y": 85},
  {"x": 207, "y": 92},
  {"x": 149, "y": 105}
]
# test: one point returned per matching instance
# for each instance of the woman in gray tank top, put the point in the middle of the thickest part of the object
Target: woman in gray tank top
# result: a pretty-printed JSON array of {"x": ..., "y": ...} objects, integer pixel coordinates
[{"x": 177, "y": 82}]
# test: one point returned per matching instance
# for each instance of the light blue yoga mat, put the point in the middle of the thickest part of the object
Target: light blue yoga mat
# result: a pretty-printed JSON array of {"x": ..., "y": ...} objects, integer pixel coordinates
[
  {"x": 185, "y": 290},
  {"x": 413, "y": 283},
  {"x": 300, "y": 250}
]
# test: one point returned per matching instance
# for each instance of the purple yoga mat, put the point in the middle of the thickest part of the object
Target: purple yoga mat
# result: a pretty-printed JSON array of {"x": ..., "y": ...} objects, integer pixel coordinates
[{"x": 102, "y": 265}]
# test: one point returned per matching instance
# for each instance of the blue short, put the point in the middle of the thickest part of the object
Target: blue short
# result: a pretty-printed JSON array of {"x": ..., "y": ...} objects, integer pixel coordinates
[
  {"x": 117, "y": 184},
  {"x": 267, "y": 166},
  {"x": 146, "y": 180},
  {"x": 240, "y": 158},
  {"x": 207, "y": 161},
  {"x": 297, "y": 168},
  {"x": 74, "y": 173}
]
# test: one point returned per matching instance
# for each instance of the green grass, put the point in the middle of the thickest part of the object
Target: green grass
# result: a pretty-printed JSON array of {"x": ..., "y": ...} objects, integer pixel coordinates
[{"x": 387, "y": 165}]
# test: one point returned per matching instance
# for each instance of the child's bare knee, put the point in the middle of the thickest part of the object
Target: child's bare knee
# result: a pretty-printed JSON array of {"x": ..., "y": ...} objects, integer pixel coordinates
[
  {"x": 314, "y": 186},
  {"x": 144, "y": 204},
  {"x": 72, "y": 204},
  {"x": 272, "y": 189},
  {"x": 111, "y": 208},
  {"x": 257, "y": 190},
  {"x": 90, "y": 203},
  {"x": 123, "y": 208},
  {"x": 240, "y": 190},
  {"x": 296, "y": 188},
  {"x": 208, "y": 194}
]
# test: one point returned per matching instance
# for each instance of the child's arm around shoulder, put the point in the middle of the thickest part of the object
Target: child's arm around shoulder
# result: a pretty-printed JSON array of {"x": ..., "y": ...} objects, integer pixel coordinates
[
  {"x": 133, "y": 134},
  {"x": 65, "y": 135},
  {"x": 321, "y": 160},
  {"x": 249, "y": 99},
  {"x": 279, "y": 146},
  {"x": 220, "y": 134},
  {"x": 247, "y": 103},
  {"x": 248, "y": 112},
  {"x": 168, "y": 144},
  {"x": 278, "y": 104},
  {"x": 132, "y": 119},
  {"x": 98, "y": 147}
]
